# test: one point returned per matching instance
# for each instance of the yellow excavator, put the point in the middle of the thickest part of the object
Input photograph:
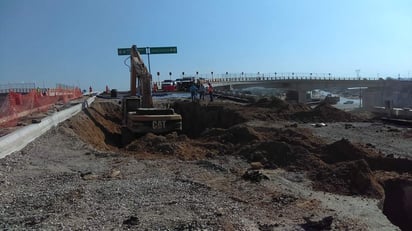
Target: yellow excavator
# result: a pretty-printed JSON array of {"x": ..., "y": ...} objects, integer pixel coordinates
[{"x": 139, "y": 115}]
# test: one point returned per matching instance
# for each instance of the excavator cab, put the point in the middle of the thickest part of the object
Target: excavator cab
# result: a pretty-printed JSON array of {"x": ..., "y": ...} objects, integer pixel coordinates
[{"x": 139, "y": 115}]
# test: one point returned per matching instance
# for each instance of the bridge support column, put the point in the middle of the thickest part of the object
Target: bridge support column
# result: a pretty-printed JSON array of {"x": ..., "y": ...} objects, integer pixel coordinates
[
  {"x": 372, "y": 97},
  {"x": 302, "y": 95},
  {"x": 296, "y": 96}
]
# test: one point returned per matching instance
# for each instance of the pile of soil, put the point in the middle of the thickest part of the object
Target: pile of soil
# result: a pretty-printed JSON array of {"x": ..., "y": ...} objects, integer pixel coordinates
[
  {"x": 238, "y": 134},
  {"x": 348, "y": 178},
  {"x": 343, "y": 150},
  {"x": 168, "y": 146},
  {"x": 339, "y": 167},
  {"x": 280, "y": 106},
  {"x": 324, "y": 113}
]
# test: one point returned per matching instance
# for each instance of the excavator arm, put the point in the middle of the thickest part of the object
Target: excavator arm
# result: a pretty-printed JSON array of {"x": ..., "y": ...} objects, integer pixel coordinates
[{"x": 139, "y": 71}]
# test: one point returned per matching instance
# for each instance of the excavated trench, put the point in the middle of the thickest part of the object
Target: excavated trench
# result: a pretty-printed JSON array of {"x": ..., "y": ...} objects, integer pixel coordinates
[
  {"x": 398, "y": 203},
  {"x": 197, "y": 118},
  {"x": 100, "y": 126}
]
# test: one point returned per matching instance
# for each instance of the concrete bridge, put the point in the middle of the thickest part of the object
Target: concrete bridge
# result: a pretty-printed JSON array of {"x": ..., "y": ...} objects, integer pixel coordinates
[{"x": 397, "y": 93}]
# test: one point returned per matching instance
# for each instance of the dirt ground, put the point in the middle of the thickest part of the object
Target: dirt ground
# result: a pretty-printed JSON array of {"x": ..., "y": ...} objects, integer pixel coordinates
[{"x": 233, "y": 167}]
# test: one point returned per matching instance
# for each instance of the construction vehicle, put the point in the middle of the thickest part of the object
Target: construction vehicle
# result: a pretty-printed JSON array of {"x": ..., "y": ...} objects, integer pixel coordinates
[{"x": 139, "y": 116}]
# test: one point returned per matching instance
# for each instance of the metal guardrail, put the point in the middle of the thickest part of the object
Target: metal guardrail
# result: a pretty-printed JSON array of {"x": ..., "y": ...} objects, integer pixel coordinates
[
  {"x": 27, "y": 87},
  {"x": 280, "y": 78},
  {"x": 238, "y": 77}
]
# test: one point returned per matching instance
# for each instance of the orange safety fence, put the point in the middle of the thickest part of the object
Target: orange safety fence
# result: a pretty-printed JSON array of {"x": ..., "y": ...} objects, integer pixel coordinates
[{"x": 17, "y": 105}]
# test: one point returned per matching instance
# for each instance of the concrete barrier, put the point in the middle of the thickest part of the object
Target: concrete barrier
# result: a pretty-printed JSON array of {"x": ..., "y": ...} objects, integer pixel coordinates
[{"x": 18, "y": 139}]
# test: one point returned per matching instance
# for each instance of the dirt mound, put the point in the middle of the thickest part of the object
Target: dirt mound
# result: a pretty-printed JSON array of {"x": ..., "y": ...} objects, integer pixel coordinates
[
  {"x": 344, "y": 150},
  {"x": 238, "y": 134},
  {"x": 155, "y": 144},
  {"x": 280, "y": 106},
  {"x": 273, "y": 154},
  {"x": 274, "y": 102},
  {"x": 300, "y": 137},
  {"x": 340, "y": 168},
  {"x": 324, "y": 113},
  {"x": 349, "y": 178},
  {"x": 173, "y": 145}
]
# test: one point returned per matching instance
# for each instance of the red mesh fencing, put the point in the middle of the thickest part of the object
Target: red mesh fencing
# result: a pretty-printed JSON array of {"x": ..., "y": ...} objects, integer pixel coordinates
[{"x": 17, "y": 105}]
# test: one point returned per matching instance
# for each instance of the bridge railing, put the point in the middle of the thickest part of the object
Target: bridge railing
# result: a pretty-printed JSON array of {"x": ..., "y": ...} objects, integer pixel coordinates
[
  {"x": 272, "y": 78},
  {"x": 243, "y": 76},
  {"x": 17, "y": 87}
]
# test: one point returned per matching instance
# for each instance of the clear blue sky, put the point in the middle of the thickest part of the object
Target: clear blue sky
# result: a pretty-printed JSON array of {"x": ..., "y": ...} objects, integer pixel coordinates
[{"x": 75, "y": 41}]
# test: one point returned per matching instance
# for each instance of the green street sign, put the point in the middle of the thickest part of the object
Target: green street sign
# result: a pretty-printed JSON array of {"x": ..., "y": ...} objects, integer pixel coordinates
[
  {"x": 123, "y": 51},
  {"x": 152, "y": 50},
  {"x": 126, "y": 51},
  {"x": 142, "y": 50},
  {"x": 163, "y": 50}
]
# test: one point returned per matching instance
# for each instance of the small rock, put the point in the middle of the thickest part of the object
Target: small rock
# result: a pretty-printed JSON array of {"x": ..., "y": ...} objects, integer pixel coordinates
[
  {"x": 182, "y": 137},
  {"x": 267, "y": 227},
  {"x": 319, "y": 125},
  {"x": 132, "y": 220},
  {"x": 324, "y": 224},
  {"x": 256, "y": 165},
  {"x": 294, "y": 125},
  {"x": 347, "y": 126},
  {"x": 393, "y": 130},
  {"x": 36, "y": 121},
  {"x": 115, "y": 173},
  {"x": 254, "y": 176},
  {"x": 219, "y": 212},
  {"x": 88, "y": 176}
]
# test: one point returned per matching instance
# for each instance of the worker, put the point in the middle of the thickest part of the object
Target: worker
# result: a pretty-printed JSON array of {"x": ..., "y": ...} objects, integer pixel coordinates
[
  {"x": 90, "y": 89},
  {"x": 210, "y": 91},
  {"x": 155, "y": 88},
  {"x": 193, "y": 91},
  {"x": 202, "y": 91}
]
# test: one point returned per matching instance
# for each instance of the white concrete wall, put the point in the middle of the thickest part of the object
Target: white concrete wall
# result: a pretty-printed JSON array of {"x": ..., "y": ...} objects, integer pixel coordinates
[{"x": 18, "y": 139}]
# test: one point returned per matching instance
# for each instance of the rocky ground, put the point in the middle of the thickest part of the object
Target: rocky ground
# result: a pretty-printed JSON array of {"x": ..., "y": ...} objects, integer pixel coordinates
[{"x": 266, "y": 166}]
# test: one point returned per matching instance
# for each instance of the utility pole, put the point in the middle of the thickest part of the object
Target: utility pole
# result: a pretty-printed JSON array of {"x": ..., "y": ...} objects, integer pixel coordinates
[{"x": 358, "y": 73}]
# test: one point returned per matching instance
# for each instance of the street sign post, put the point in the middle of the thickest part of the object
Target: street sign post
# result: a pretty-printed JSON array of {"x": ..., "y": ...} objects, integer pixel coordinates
[
  {"x": 148, "y": 51},
  {"x": 126, "y": 51},
  {"x": 163, "y": 50}
]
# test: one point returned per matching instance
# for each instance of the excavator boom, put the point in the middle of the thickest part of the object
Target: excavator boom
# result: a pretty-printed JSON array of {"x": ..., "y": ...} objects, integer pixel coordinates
[{"x": 139, "y": 71}]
